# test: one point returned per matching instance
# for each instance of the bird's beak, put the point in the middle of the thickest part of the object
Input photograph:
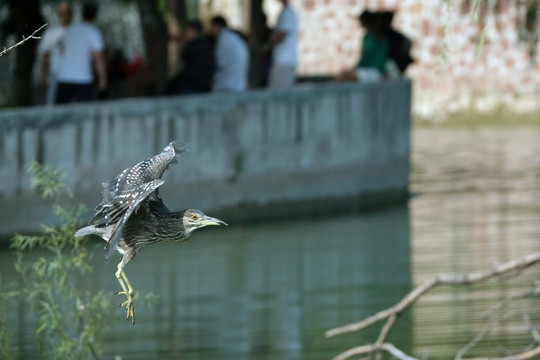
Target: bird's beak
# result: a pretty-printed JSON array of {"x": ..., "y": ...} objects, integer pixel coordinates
[{"x": 207, "y": 220}]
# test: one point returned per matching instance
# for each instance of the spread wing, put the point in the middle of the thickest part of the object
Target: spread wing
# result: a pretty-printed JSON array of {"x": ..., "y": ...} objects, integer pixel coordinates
[
  {"x": 123, "y": 206},
  {"x": 130, "y": 181},
  {"x": 125, "y": 193}
]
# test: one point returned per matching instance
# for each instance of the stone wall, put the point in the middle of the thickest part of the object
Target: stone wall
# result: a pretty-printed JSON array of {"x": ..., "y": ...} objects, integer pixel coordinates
[{"x": 252, "y": 155}]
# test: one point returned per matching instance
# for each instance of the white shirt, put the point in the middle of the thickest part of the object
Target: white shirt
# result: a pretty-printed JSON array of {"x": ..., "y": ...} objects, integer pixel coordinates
[
  {"x": 50, "y": 44},
  {"x": 79, "y": 43},
  {"x": 232, "y": 61},
  {"x": 285, "y": 51}
]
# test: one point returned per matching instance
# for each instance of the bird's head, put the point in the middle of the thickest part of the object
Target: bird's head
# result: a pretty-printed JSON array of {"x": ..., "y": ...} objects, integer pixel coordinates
[{"x": 194, "y": 219}]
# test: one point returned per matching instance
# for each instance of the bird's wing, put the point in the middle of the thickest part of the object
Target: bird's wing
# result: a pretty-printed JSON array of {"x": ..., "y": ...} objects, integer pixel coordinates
[
  {"x": 122, "y": 207},
  {"x": 132, "y": 178}
]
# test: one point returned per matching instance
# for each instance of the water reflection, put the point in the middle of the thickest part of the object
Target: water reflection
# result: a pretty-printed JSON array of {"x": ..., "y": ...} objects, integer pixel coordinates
[
  {"x": 479, "y": 204},
  {"x": 263, "y": 292}
]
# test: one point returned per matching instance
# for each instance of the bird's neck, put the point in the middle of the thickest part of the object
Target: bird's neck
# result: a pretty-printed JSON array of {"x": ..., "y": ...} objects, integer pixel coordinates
[{"x": 172, "y": 228}]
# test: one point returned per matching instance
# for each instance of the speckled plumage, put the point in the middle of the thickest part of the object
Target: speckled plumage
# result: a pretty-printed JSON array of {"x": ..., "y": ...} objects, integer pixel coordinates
[
  {"x": 135, "y": 188},
  {"x": 133, "y": 215}
]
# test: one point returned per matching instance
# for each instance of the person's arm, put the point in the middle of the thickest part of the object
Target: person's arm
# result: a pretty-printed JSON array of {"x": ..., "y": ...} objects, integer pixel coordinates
[
  {"x": 44, "y": 49},
  {"x": 45, "y": 63},
  {"x": 277, "y": 37},
  {"x": 219, "y": 62},
  {"x": 101, "y": 69},
  {"x": 222, "y": 53},
  {"x": 283, "y": 27}
]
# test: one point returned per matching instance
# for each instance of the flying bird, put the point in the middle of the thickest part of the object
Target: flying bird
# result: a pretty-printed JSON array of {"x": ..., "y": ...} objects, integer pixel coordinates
[{"x": 133, "y": 215}]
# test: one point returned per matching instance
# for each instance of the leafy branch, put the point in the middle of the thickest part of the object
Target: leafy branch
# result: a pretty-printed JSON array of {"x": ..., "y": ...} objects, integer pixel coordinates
[{"x": 70, "y": 318}]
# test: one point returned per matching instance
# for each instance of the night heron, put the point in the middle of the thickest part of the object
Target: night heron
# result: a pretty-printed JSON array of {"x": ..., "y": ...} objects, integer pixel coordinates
[{"x": 132, "y": 215}]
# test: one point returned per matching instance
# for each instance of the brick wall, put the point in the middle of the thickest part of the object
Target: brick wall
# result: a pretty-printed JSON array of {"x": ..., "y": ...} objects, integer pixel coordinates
[{"x": 449, "y": 73}]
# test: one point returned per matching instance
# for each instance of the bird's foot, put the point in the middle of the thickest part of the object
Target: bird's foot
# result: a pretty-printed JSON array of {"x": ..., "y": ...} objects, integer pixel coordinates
[{"x": 128, "y": 304}]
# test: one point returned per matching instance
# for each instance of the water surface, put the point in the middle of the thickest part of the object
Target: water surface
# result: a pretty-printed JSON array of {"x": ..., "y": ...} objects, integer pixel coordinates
[
  {"x": 478, "y": 204},
  {"x": 269, "y": 291}
]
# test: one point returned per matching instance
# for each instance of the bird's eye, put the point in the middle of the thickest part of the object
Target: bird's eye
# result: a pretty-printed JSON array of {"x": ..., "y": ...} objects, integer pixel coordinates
[{"x": 194, "y": 217}]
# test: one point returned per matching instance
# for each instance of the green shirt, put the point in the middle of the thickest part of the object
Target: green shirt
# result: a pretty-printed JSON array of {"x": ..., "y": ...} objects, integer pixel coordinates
[{"x": 374, "y": 52}]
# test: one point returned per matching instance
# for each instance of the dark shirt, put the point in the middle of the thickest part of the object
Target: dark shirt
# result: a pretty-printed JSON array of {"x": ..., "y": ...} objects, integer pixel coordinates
[
  {"x": 374, "y": 52},
  {"x": 198, "y": 65},
  {"x": 399, "y": 51}
]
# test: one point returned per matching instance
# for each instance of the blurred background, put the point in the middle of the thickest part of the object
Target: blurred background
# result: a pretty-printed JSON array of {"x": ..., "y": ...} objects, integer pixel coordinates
[
  {"x": 341, "y": 197},
  {"x": 469, "y": 55}
]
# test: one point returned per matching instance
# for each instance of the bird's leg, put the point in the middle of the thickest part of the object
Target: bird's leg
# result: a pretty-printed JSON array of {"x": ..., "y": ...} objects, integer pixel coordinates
[{"x": 128, "y": 291}]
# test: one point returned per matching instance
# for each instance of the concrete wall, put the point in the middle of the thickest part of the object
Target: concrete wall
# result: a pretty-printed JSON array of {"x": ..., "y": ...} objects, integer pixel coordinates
[{"x": 254, "y": 155}]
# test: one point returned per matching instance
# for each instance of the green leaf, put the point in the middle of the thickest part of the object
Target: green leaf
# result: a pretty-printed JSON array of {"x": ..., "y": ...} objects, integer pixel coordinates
[{"x": 68, "y": 321}]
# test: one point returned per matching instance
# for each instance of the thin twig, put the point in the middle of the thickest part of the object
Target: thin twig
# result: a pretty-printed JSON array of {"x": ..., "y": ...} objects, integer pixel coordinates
[
  {"x": 522, "y": 356},
  {"x": 474, "y": 342},
  {"x": 390, "y": 348},
  {"x": 382, "y": 337},
  {"x": 441, "y": 279},
  {"x": 534, "y": 331},
  {"x": 400, "y": 355},
  {"x": 386, "y": 330},
  {"x": 518, "y": 295},
  {"x": 24, "y": 39}
]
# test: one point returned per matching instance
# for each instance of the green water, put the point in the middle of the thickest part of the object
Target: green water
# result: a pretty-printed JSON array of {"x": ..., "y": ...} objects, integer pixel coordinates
[{"x": 270, "y": 291}]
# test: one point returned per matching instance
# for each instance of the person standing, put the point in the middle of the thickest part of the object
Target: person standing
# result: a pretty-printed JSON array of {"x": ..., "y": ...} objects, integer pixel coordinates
[
  {"x": 399, "y": 47},
  {"x": 81, "y": 47},
  {"x": 284, "y": 54},
  {"x": 232, "y": 58},
  {"x": 49, "y": 48},
  {"x": 375, "y": 47},
  {"x": 373, "y": 62},
  {"x": 197, "y": 62}
]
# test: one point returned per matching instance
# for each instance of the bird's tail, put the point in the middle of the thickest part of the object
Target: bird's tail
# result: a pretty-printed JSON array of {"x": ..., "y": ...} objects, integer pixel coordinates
[
  {"x": 88, "y": 230},
  {"x": 93, "y": 230}
]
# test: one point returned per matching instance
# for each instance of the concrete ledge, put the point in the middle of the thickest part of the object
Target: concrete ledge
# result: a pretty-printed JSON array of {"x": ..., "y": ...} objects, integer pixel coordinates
[{"x": 253, "y": 155}]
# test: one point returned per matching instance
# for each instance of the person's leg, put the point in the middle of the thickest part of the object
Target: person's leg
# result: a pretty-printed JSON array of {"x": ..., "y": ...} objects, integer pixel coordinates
[
  {"x": 281, "y": 76},
  {"x": 289, "y": 75},
  {"x": 51, "y": 90},
  {"x": 174, "y": 86},
  {"x": 62, "y": 93},
  {"x": 83, "y": 92}
]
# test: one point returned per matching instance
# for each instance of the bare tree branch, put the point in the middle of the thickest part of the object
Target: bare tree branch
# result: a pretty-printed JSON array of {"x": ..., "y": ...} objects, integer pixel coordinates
[
  {"x": 523, "y": 356},
  {"x": 391, "y": 313},
  {"x": 510, "y": 298},
  {"x": 24, "y": 39},
  {"x": 386, "y": 330},
  {"x": 441, "y": 279},
  {"x": 533, "y": 330},
  {"x": 366, "y": 349},
  {"x": 474, "y": 342}
]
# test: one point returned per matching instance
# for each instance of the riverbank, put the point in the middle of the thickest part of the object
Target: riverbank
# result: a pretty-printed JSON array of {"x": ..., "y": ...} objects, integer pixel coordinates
[{"x": 502, "y": 116}]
